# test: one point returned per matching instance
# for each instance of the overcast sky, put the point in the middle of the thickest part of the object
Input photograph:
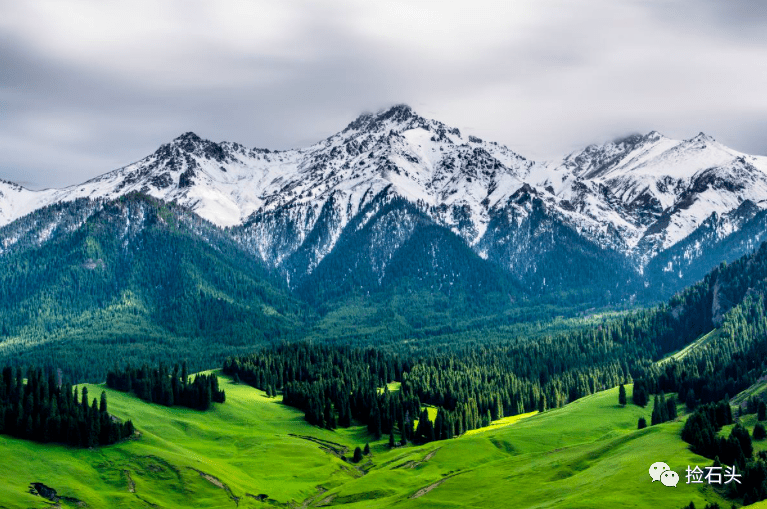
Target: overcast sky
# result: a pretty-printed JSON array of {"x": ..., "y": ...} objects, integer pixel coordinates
[{"x": 87, "y": 86}]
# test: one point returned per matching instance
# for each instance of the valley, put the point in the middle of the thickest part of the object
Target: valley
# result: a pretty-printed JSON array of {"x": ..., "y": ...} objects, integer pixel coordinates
[{"x": 254, "y": 452}]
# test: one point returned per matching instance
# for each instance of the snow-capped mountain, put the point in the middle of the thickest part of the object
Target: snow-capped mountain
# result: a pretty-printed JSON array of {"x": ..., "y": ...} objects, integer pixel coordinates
[
  {"x": 17, "y": 201},
  {"x": 650, "y": 192},
  {"x": 621, "y": 203}
]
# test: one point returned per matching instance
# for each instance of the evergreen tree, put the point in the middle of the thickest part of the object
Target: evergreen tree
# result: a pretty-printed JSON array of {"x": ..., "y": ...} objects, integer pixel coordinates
[
  {"x": 671, "y": 412},
  {"x": 642, "y": 423},
  {"x": 45, "y": 411},
  {"x": 162, "y": 387},
  {"x": 759, "y": 431},
  {"x": 690, "y": 401},
  {"x": 622, "y": 395},
  {"x": 639, "y": 395},
  {"x": 656, "y": 417},
  {"x": 357, "y": 455}
]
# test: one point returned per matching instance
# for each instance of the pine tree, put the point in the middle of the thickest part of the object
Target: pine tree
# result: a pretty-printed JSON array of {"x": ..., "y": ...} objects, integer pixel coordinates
[
  {"x": 639, "y": 395},
  {"x": 663, "y": 411},
  {"x": 655, "y": 418},
  {"x": 622, "y": 395},
  {"x": 759, "y": 431},
  {"x": 357, "y": 455},
  {"x": 391, "y": 438},
  {"x": 690, "y": 401},
  {"x": 761, "y": 413},
  {"x": 366, "y": 450},
  {"x": 642, "y": 423},
  {"x": 671, "y": 408}
]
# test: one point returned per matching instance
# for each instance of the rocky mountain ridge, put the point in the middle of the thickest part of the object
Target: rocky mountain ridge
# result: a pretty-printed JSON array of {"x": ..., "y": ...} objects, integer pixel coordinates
[{"x": 623, "y": 203}]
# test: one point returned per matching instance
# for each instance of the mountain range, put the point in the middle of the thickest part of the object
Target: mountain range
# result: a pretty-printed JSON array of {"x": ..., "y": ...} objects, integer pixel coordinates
[{"x": 641, "y": 216}]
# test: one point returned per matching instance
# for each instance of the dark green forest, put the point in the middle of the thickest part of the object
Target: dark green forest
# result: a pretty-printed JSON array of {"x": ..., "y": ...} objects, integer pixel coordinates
[
  {"x": 472, "y": 385},
  {"x": 153, "y": 282},
  {"x": 147, "y": 280},
  {"x": 165, "y": 387},
  {"x": 43, "y": 409}
]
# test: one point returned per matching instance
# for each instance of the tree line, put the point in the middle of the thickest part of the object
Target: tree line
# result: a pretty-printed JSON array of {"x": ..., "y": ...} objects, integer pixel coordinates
[
  {"x": 335, "y": 385},
  {"x": 142, "y": 279},
  {"x": 160, "y": 385},
  {"x": 46, "y": 410}
]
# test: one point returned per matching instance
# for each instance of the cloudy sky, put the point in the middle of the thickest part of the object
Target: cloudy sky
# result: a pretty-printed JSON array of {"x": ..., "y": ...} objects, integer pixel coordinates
[{"x": 87, "y": 86}]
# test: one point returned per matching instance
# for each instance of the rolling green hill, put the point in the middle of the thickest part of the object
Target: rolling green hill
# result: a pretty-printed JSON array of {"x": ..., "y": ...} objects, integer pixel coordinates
[{"x": 254, "y": 452}]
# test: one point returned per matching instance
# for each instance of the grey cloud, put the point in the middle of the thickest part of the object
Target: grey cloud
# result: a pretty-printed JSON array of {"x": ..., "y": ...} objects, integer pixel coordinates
[{"x": 561, "y": 76}]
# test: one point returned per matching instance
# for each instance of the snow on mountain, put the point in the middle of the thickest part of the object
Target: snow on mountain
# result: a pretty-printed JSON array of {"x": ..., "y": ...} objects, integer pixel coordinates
[
  {"x": 17, "y": 201},
  {"x": 653, "y": 191},
  {"x": 638, "y": 196}
]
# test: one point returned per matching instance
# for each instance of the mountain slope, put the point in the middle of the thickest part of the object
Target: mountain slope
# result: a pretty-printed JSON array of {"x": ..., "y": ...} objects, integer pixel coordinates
[
  {"x": 137, "y": 279},
  {"x": 599, "y": 216},
  {"x": 393, "y": 247}
]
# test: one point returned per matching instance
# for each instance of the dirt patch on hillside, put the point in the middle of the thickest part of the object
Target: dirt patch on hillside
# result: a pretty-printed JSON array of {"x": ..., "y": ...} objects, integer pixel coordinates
[
  {"x": 217, "y": 482},
  {"x": 131, "y": 484},
  {"x": 309, "y": 501},
  {"x": 333, "y": 448},
  {"x": 423, "y": 491},
  {"x": 415, "y": 464},
  {"x": 326, "y": 501}
]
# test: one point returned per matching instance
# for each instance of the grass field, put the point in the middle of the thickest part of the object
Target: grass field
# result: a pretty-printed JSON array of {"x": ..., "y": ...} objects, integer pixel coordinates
[{"x": 587, "y": 454}]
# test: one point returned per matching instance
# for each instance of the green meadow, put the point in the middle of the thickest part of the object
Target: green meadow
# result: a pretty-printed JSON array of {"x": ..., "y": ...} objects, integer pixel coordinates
[{"x": 254, "y": 452}]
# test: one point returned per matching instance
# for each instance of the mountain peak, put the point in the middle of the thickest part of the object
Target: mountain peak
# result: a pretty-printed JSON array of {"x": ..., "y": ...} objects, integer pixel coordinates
[
  {"x": 703, "y": 137},
  {"x": 187, "y": 137},
  {"x": 636, "y": 139},
  {"x": 190, "y": 143},
  {"x": 397, "y": 114}
]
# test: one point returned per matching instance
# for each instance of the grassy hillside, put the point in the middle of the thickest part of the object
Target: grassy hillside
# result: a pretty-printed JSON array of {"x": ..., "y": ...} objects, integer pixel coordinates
[{"x": 587, "y": 454}]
